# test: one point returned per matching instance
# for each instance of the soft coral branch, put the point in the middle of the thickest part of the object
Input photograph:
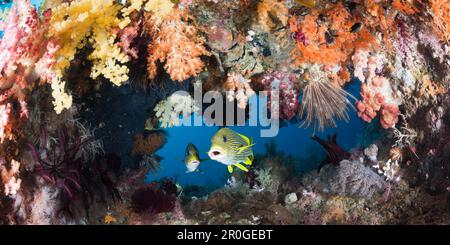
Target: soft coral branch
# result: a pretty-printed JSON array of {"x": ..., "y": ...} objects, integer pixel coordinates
[
  {"x": 177, "y": 44},
  {"x": 25, "y": 56}
]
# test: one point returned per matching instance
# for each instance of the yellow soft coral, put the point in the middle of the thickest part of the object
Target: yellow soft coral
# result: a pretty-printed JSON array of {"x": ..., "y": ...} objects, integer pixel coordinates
[
  {"x": 84, "y": 22},
  {"x": 62, "y": 100},
  {"x": 158, "y": 8}
]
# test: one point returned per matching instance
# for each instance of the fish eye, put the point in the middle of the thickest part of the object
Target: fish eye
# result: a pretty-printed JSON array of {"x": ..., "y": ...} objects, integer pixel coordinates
[{"x": 225, "y": 139}]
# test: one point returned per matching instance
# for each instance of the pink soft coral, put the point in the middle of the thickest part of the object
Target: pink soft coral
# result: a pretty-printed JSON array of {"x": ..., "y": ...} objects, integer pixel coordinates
[
  {"x": 238, "y": 87},
  {"x": 286, "y": 85},
  {"x": 25, "y": 55},
  {"x": 374, "y": 100},
  {"x": 389, "y": 115}
]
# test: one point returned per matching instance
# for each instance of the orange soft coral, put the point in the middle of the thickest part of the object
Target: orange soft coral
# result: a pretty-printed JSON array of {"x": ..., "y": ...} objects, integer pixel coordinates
[
  {"x": 326, "y": 36},
  {"x": 176, "y": 43},
  {"x": 441, "y": 18},
  {"x": 405, "y": 6}
]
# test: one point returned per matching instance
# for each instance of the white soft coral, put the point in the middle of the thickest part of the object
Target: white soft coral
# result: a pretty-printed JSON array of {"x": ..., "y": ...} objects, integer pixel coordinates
[{"x": 178, "y": 104}]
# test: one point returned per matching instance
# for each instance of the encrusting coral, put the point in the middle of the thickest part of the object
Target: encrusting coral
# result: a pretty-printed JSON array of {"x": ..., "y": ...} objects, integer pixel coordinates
[{"x": 270, "y": 11}]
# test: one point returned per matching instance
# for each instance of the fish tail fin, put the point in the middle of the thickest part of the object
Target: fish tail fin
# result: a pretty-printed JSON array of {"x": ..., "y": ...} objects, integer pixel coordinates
[
  {"x": 241, "y": 167},
  {"x": 230, "y": 169}
]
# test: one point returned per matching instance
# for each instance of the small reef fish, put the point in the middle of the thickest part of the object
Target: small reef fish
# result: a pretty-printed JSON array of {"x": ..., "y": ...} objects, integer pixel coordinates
[
  {"x": 307, "y": 3},
  {"x": 231, "y": 149},
  {"x": 192, "y": 159}
]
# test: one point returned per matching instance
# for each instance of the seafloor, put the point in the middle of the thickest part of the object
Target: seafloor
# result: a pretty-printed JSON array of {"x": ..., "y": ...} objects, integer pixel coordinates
[{"x": 94, "y": 96}]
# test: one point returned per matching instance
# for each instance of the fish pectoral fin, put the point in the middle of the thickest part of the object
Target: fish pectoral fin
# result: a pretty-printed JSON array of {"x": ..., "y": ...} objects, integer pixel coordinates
[
  {"x": 248, "y": 161},
  {"x": 241, "y": 167},
  {"x": 241, "y": 149},
  {"x": 247, "y": 140},
  {"x": 230, "y": 169}
]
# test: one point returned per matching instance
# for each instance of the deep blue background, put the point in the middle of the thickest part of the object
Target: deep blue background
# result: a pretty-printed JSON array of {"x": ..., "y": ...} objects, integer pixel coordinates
[{"x": 291, "y": 140}]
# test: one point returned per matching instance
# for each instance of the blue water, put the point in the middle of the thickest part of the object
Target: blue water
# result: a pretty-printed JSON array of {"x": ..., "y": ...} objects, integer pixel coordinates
[{"x": 291, "y": 140}]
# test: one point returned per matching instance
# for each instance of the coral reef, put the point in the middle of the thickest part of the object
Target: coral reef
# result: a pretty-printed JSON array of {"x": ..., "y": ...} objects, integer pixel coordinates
[{"x": 61, "y": 65}]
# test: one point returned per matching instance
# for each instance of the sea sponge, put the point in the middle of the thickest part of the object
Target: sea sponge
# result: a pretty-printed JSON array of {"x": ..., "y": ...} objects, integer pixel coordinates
[{"x": 147, "y": 145}]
